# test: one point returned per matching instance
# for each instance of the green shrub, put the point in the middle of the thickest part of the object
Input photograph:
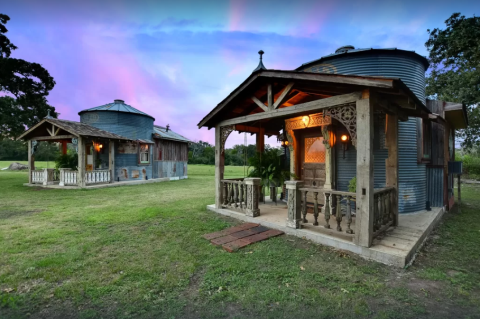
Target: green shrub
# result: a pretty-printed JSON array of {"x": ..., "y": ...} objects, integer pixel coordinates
[
  {"x": 352, "y": 185},
  {"x": 69, "y": 160}
]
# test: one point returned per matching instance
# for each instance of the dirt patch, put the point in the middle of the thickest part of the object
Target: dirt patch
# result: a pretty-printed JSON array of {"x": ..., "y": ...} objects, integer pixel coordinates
[
  {"x": 37, "y": 188},
  {"x": 5, "y": 214}
]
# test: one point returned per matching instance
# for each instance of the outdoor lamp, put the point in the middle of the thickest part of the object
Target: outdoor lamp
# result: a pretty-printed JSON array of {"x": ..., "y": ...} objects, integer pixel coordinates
[
  {"x": 344, "y": 138},
  {"x": 306, "y": 120}
]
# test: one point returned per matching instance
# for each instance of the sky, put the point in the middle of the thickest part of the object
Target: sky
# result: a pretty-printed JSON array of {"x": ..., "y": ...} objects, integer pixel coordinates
[{"x": 176, "y": 60}]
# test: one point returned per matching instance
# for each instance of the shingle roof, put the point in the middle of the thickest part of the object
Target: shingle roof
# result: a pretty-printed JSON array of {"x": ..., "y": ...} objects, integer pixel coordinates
[
  {"x": 161, "y": 132},
  {"x": 116, "y": 106},
  {"x": 76, "y": 128}
]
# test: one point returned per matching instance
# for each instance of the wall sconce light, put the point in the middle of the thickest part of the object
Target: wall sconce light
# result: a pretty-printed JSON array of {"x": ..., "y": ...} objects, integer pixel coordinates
[
  {"x": 306, "y": 120},
  {"x": 344, "y": 138}
]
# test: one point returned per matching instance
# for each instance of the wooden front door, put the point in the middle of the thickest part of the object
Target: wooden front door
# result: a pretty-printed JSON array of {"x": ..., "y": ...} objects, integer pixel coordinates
[{"x": 313, "y": 159}]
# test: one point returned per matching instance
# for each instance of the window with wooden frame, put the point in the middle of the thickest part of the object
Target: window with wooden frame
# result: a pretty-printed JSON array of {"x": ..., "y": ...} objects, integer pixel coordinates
[{"x": 144, "y": 154}]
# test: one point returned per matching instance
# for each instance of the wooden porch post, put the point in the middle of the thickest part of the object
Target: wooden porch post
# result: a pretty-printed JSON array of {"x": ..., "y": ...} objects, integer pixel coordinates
[
  {"x": 219, "y": 166},
  {"x": 260, "y": 140},
  {"x": 111, "y": 160},
  {"x": 365, "y": 192},
  {"x": 81, "y": 162},
  {"x": 31, "y": 162},
  {"x": 64, "y": 147},
  {"x": 391, "y": 163},
  {"x": 329, "y": 163}
]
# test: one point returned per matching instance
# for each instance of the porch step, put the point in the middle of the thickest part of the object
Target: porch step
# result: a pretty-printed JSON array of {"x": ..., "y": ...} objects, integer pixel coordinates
[{"x": 234, "y": 238}]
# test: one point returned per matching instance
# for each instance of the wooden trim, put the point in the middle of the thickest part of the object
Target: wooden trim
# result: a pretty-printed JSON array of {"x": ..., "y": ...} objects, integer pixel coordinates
[
  {"x": 282, "y": 96},
  {"x": 331, "y": 78},
  {"x": 296, "y": 109},
  {"x": 260, "y": 104},
  {"x": 270, "y": 95},
  {"x": 252, "y": 129},
  {"x": 49, "y": 138}
]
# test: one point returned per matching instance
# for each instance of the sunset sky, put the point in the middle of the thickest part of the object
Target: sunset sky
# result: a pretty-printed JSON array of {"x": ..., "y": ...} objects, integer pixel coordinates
[{"x": 176, "y": 60}]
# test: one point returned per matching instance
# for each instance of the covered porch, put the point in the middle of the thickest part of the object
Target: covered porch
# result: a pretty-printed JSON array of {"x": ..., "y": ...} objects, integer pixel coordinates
[
  {"x": 320, "y": 115},
  {"x": 94, "y": 148}
]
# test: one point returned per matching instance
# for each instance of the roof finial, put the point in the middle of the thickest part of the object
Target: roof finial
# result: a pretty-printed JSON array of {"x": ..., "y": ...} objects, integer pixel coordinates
[
  {"x": 48, "y": 115},
  {"x": 168, "y": 127},
  {"x": 260, "y": 64}
]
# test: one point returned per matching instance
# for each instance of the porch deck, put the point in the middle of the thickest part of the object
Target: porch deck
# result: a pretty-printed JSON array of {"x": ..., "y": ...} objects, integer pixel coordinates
[
  {"x": 56, "y": 185},
  {"x": 396, "y": 247}
]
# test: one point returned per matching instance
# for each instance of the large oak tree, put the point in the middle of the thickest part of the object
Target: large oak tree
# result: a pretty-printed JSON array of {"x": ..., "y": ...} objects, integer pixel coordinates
[
  {"x": 455, "y": 69},
  {"x": 25, "y": 86}
]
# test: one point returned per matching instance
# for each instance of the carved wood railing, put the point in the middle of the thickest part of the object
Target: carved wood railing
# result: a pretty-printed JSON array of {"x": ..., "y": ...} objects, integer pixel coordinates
[
  {"x": 97, "y": 177},
  {"x": 242, "y": 195},
  {"x": 38, "y": 176},
  {"x": 384, "y": 203},
  {"x": 334, "y": 201}
]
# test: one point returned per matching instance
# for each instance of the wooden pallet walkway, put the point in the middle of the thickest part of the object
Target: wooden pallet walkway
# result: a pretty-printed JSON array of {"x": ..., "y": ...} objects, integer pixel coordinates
[{"x": 234, "y": 238}]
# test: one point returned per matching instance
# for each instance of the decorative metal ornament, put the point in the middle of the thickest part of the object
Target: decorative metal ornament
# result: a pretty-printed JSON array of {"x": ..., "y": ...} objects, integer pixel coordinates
[
  {"x": 75, "y": 143},
  {"x": 34, "y": 147},
  {"x": 347, "y": 115},
  {"x": 224, "y": 133}
]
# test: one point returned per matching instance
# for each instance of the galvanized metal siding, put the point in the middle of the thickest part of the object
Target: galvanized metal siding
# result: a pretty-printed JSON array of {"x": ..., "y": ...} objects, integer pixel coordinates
[
  {"x": 435, "y": 186},
  {"x": 409, "y": 69},
  {"x": 134, "y": 126},
  {"x": 171, "y": 169},
  {"x": 412, "y": 177},
  {"x": 125, "y": 164},
  {"x": 346, "y": 169}
]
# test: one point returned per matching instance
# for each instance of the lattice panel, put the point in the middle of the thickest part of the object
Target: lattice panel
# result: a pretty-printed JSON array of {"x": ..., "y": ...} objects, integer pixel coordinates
[{"x": 314, "y": 150}]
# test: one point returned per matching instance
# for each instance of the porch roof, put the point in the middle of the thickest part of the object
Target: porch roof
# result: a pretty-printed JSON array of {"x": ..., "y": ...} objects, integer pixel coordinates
[
  {"x": 307, "y": 87},
  {"x": 66, "y": 129}
]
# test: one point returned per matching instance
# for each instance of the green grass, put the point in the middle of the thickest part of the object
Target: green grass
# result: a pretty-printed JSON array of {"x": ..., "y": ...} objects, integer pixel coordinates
[{"x": 137, "y": 251}]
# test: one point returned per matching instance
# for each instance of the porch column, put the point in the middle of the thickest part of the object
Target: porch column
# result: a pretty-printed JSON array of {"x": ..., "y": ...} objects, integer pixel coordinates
[
  {"x": 111, "y": 160},
  {"x": 81, "y": 162},
  {"x": 253, "y": 186},
  {"x": 391, "y": 163},
  {"x": 260, "y": 140},
  {"x": 219, "y": 166},
  {"x": 365, "y": 192},
  {"x": 294, "y": 204},
  {"x": 31, "y": 161},
  {"x": 64, "y": 147},
  {"x": 329, "y": 159}
]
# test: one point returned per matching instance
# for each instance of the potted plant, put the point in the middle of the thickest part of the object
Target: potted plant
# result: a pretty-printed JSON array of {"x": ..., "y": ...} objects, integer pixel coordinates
[{"x": 268, "y": 167}]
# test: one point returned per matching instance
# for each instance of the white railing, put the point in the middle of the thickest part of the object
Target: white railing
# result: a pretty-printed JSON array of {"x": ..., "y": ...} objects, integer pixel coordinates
[
  {"x": 38, "y": 176},
  {"x": 68, "y": 177},
  {"x": 96, "y": 177}
]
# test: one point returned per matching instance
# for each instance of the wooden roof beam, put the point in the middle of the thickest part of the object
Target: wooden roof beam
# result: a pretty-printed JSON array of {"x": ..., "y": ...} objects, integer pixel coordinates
[
  {"x": 296, "y": 109},
  {"x": 252, "y": 129},
  {"x": 282, "y": 96}
]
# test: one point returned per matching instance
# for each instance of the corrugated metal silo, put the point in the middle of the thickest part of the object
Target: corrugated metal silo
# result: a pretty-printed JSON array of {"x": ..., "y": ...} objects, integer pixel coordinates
[{"x": 410, "y": 68}]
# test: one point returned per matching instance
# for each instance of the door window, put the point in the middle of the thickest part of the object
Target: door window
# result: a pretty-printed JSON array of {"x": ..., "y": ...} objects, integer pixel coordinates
[{"x": 314, "y": 150}]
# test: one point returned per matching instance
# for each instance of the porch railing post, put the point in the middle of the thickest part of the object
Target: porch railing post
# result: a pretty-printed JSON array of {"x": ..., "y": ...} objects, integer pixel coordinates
[
  {"x": 294, "y": 204},
  {"x": 364, "y": 144},
  {"x": 252, "y": 185}
]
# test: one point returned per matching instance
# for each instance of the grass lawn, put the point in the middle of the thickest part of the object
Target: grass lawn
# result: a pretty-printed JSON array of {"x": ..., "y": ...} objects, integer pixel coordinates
[{"x": 137, "y": 251}]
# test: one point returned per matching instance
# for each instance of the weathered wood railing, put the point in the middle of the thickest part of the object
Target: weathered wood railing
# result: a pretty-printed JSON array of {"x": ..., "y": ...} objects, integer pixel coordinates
[
  {"x": 297, "y": 206},
  {"x": 333, "y": 206},
  {"x": 241, "y": 194},
  {"x": 96, "y": 177},
  {"x": 384, "y": 203}
]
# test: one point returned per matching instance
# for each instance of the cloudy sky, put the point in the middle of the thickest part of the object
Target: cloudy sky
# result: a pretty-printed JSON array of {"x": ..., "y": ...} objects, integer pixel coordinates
[{"x": 176, "y": 60}]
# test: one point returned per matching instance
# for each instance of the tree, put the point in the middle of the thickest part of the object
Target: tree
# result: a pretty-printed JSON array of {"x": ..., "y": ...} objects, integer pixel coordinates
[
  {"x": 28, "y": 82},
  {"x": 454, "y": 55}
]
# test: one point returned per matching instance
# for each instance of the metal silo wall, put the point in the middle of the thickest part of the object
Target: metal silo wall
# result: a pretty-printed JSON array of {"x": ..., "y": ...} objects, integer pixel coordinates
[
  {"x": 412, "y": 176},
  {"x": 435, "y": 186},
  {"x": 346, "y": 168},
  {"x": 409, "y": 69},
  {"x": 134, "y": 126}
]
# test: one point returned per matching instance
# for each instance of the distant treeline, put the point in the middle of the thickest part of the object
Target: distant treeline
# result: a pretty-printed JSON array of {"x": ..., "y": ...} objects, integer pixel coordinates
[
  {"x": 204, "y": 153},
  {"x": 11, "y": 150}
]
